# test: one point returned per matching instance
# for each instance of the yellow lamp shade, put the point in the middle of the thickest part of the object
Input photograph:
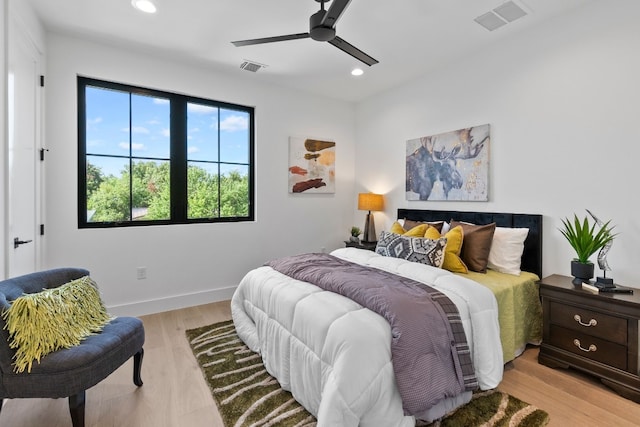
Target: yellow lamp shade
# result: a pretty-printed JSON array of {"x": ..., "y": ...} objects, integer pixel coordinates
[{"x": 370, "y": 202}]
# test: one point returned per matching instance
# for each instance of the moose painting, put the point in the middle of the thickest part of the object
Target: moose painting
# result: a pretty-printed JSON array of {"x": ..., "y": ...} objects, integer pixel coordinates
[{"x": 449, "y": 166}]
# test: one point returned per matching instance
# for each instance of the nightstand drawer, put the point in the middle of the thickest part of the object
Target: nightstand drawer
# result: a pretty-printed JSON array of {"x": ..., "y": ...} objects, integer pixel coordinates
[
  {"x": 593, "y": 323},
  {"x": 589, "y": 346}
]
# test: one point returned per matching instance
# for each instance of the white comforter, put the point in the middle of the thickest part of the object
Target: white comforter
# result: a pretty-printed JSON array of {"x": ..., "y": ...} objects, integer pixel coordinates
[{"x": 335, "y": 356}]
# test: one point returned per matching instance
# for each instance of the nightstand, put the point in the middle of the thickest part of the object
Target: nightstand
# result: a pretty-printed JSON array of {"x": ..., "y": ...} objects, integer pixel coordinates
[
  {"x": 370, "y": 246},
  {"x": 596, "y": 333}
]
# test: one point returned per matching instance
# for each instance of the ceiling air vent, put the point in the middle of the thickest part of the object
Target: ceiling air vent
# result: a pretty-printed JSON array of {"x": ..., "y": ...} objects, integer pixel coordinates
[
  {"x": 501, "y": 15},
  {"x": 510, "y": 11},
  {"x": 251, "y": 66}
]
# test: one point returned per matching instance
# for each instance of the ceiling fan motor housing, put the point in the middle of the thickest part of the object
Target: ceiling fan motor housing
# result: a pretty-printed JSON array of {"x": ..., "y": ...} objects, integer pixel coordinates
[{"x": 319, "y": 32}]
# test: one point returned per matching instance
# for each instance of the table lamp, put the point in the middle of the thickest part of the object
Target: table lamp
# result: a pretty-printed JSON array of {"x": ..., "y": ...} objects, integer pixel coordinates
[{"x": 370, "y": 202}]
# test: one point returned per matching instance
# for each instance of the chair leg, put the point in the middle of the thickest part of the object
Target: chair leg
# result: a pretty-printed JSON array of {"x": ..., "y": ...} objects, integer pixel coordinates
[
  {"x": 137, "y": 367},
  {"x": 1, "y": 402},
  {"x": 76, "y": 408}
]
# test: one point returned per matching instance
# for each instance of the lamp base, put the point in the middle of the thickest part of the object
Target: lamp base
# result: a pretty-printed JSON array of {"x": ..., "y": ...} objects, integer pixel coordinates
[{"x": 369, "y": 229}]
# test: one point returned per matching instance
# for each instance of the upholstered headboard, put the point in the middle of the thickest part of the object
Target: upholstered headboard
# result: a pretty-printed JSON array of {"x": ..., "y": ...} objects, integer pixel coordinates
[{"x": 532, "y": 255}]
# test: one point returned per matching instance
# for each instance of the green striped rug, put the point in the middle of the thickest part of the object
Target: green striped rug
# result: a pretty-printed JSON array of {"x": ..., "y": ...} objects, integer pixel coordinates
[{"x": 247, "y": 395}]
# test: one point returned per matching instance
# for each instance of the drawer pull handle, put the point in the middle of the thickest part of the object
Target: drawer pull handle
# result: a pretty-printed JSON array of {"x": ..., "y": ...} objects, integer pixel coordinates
[
  {"x": 592, "y": 322},
  {"x": 591, "y": 348}
]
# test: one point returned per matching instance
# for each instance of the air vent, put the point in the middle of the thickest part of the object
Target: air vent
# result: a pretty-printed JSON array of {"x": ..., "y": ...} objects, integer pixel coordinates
[
  {"x": 490, "y": 21},
  {"x": 510, "y": 11},
  {"x": 501, "y": 15},
  {"x": 251, "y": 66}
]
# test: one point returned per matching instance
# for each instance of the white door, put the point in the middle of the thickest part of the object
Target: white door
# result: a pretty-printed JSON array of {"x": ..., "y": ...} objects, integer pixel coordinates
[{"x": 23, "y": 122}]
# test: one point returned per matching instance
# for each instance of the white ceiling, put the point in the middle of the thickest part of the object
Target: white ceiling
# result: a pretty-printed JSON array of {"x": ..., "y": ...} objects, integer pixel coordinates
[{"x": 408, "y": 37}]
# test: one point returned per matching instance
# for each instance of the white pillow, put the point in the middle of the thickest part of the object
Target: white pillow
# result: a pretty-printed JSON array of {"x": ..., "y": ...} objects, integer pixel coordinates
[{"x": 506, "y": 249}]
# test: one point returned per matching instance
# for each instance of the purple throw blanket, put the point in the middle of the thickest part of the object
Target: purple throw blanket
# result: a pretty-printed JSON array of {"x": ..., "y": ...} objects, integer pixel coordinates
[{"x": 431, "y": 358}]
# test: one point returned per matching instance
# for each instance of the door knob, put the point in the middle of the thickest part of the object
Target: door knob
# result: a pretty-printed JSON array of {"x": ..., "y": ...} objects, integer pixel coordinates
[{"x": 17, "y": 242}]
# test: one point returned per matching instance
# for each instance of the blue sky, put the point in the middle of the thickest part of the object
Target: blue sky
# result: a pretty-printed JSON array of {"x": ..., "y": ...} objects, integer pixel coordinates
[{"x": 108, "y": 130}]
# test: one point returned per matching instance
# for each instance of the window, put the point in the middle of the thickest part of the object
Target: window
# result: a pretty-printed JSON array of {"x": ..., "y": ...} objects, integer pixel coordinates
[{"x": 151, "y": 157}]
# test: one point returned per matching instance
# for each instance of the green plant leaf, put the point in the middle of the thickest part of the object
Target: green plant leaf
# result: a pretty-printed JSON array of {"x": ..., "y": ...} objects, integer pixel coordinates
[{"x": 583, "y": 237}]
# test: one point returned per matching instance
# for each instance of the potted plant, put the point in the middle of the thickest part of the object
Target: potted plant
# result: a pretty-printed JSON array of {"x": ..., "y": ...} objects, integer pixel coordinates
[
  {"x": 355, "y": 232},
  {"x": 586, "y": 241}
]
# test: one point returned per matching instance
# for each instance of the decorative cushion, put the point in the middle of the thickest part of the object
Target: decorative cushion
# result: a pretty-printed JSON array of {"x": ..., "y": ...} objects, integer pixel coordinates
[
  {"x": 452, "y": 260},
  {"x": 43, "y": 322},
  {"x": 417, "y": 231},
  {"x": 506, "y": 249},
  {"x": 476, "y": 245},
  {"x": 416, "y": 249},
  {"x": 409, "y": 224}
]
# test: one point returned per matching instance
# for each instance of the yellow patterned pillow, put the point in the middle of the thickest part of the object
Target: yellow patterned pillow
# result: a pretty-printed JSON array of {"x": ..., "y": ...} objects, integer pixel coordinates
[
  {"x": 53, "y": 319},
  {"x": 452, "y": 260},
  {"x": 417, "y": 231}
]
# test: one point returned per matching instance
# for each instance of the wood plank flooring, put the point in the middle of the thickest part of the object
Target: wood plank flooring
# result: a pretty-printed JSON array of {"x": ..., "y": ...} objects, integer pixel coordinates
[{"x": 174, "y": 393}]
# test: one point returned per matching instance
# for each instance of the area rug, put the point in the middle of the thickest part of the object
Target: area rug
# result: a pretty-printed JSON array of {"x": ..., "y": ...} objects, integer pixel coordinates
[{"x": 247, "y": 395}]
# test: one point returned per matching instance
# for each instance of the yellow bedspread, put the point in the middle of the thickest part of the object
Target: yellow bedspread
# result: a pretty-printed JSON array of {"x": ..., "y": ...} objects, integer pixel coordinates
[{"x": 520, "y": 310}]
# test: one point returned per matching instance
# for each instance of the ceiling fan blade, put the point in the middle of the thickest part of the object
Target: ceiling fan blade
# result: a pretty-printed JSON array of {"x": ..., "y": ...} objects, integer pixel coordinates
[
  {"x": 353, "y": 51},
  {"x": 334, "y": 12},
  {"x": 271, "y": 39}
]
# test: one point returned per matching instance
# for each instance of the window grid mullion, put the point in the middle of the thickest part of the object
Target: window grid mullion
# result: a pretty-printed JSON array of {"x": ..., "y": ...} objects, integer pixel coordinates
[
  {"x": 219, "y": 170},
  {"x": 178, "y": 178},
  {"x": 130, "y": 157}
]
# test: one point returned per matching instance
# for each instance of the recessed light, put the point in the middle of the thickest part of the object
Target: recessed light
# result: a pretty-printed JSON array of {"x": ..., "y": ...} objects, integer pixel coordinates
[
  {"x": 144, "y": 5},
  {"x": 357, "y": 72}
]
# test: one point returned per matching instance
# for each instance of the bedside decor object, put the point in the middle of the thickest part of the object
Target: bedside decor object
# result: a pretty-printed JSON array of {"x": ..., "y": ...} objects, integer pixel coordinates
[
  {"x": 584, "y": 239},
  {"x": 370, "y": 202},
  {"x": 602, "y": 258},
  {"x": 355, "y": 234}
]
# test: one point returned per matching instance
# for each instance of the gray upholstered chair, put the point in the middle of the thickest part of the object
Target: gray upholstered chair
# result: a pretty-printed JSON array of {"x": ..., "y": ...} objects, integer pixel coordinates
[{"x": 67, "y": 372}]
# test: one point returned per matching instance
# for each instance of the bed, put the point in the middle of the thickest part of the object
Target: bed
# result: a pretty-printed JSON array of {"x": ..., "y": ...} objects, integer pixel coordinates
[
  {"x": 517, "y": 296},
  {"x": 335, "y": 356}
]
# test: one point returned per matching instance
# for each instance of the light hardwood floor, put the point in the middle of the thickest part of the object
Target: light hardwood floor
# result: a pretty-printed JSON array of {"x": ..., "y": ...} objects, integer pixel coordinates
[{"x": 174, "y": 393}]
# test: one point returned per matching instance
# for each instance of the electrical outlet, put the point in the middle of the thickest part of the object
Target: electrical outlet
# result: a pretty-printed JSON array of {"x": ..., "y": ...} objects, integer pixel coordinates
[{"x": 141, "y": 273}]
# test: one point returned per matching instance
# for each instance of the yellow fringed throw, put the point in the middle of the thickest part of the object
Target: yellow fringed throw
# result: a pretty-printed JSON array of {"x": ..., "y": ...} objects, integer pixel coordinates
[{"x": 53, "y": 319}]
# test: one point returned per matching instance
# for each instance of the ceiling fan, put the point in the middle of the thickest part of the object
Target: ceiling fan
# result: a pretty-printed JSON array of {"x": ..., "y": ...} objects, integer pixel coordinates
[{"x": 322, "y": 27}]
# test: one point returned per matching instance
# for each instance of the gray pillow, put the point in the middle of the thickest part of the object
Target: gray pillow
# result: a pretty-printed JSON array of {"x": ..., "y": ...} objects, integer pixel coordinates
[{"x": 415, "y": 249}]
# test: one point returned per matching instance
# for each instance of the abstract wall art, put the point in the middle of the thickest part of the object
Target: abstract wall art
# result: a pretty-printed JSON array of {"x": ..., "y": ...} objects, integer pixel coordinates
[
  {"x": 449, "y": 166},
  {"x": 312, "y": 165}
]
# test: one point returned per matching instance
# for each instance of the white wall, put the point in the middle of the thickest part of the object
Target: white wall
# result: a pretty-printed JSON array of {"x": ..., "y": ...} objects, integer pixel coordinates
[
  {"x": 563, "y": 104},
  {"x": 191, "y": 264},
  {"x": 4, "y": 33}
]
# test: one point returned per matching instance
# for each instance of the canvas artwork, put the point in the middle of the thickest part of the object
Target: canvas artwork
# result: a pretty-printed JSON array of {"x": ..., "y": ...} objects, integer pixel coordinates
[
  {"x": 449, "y": 166},
  {"x": 312, "y": 166}
]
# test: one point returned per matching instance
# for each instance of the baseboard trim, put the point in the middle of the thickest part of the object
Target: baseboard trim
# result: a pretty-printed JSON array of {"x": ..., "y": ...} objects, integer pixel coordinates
[{"x": 175, "y": 302}]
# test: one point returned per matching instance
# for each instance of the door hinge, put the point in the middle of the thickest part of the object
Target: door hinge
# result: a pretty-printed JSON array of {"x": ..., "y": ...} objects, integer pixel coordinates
[
  {"x": 42, "y": 229},
  {"x": 41, "y": 81},
  {"x": 42, "y": 150}
]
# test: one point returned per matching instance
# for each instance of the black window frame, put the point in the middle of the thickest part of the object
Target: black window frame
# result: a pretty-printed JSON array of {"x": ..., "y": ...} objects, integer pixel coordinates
[{"x": 178, "y": 155}]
